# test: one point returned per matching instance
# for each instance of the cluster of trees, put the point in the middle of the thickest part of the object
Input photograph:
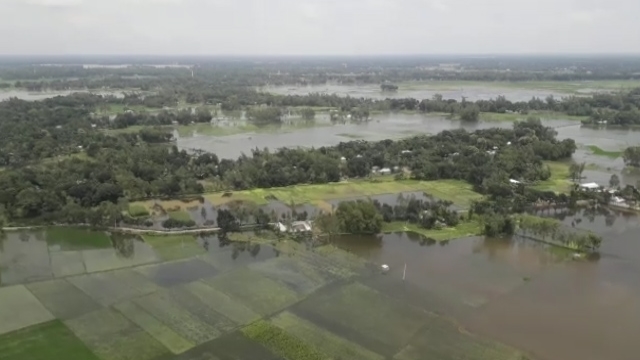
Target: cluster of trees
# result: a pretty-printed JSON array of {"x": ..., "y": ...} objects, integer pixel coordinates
[
  {"x": 631, "y": 156},
  {"x": 55, "y": 158},
  {"x": 250, "y": 73},
  {"x": 551, "y": 229},
  {"x": 181, "y": 117},
  {"x": 428, "y": 214},
  {"x": 619, "y": 108}
]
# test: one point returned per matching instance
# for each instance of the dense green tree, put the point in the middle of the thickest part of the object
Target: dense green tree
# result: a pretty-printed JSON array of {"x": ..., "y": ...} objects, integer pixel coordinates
[
  {"x": 359, "y": 217},
  {"x": 631, "y": 156}
]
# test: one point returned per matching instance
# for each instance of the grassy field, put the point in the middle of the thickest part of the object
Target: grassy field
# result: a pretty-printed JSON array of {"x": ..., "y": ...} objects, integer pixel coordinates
[
  {"x": 51, "y": 340},
  {"x": 559, "y": 180},
  {"x": 601, "y": 152},
  {"x": 174, "y": 247},
  {"x": 458, "y": 192},
  {"x": 70, "y": 238},
  {"x": 464, "y": 229},
  {"x": 180, "y": 215}
]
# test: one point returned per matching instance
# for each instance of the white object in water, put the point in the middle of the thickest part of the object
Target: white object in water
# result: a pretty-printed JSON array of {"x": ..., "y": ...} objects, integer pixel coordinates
[{"x": 385, "y": 268}]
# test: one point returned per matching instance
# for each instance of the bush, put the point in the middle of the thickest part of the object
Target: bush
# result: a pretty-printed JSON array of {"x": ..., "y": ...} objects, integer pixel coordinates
[
  {"x": 138, "y": 211},
  {"x": 175, "y": 223}
]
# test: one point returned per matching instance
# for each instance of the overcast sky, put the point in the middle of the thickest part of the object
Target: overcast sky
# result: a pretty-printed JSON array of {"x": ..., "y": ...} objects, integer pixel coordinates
[{"x": 316, "y": 27}]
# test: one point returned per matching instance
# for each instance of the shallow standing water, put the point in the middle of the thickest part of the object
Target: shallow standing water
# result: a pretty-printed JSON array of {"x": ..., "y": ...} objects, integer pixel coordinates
[
  {"x": 520, "y": 293},
  {"x": 471, "y": 92}
]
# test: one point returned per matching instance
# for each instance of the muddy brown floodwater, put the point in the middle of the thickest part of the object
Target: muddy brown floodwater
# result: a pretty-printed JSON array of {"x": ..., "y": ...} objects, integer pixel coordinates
[{"x": 524, "y": 294}]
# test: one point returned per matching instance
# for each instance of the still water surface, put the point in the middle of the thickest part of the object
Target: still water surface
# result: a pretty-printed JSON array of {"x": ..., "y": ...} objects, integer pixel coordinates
[{"x": 523, "y": 294}]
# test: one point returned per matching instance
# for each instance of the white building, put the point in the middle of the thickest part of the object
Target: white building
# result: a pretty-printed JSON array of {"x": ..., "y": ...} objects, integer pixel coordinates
[{"x": 589, "y": 186}]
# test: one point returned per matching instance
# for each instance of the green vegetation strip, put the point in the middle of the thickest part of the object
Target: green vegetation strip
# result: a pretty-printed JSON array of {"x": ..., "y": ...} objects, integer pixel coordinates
[
  {"x": 137, "y": 210},
  {"x": 281, "y": 343},
  {"x": 335, "y": 346},
  {"x": 46, "y": 341},
  {"x": 459, "y": 192},
  {"x": 174, "y": 247},
  {"x": 559, "y": 181},
  {"x": 180, "y": 215},
  {"x": 72, "y": 238},
  {"x": 600, "y": 152},
  {"x": 464, "y": 229}
]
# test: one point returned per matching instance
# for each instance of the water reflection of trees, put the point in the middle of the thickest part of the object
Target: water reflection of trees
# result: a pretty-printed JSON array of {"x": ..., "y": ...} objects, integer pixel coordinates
[
  {"x": 124, "y": 245},
  {"x": 576, "y": 215}
]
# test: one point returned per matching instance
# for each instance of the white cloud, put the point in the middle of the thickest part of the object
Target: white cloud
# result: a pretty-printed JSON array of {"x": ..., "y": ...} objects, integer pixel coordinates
[{"x": 318, "y": 26}]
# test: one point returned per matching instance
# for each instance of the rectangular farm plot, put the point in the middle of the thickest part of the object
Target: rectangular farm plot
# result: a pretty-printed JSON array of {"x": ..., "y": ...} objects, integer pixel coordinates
[
  {"x": 234, "y": 346},
  {"x": 47, "y": 341},
  {"x": 365, "y": 316},
  {"x": 203, "y": 310},
  {"x": 19, "y": 308},
  {"x": 282, "y": 343},
  {"x": 109, "y": 259},
  {"x": 67, "y": 263},
  {"x": 298, "y": 275},
  {"x": 178, "y": 272},
  {"x": 257, "y": 292},
  {"x": 443, "y": 339},
  {"x": 111, "y": 336},
  {"x": 162, "y": 333},
  {"x": 64, "y": 300},
  {"x": 111, "y": 287},
  {"x": 174, "y": 247},
  {"x": 335, "y": 346},
  {"x": 178, "y": 319},
  {"x": 222, "y": 303}
]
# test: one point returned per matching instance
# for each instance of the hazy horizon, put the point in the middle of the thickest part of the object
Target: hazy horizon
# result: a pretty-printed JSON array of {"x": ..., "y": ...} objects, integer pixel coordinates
[{"x": 250, "y": 28}]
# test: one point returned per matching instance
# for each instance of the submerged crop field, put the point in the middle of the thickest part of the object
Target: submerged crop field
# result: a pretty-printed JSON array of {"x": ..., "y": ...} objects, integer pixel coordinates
[{"x": 226, "y": 303}]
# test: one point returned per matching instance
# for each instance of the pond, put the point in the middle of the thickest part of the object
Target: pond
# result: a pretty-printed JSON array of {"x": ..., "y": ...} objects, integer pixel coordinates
[{"x": 520, "y": 292}]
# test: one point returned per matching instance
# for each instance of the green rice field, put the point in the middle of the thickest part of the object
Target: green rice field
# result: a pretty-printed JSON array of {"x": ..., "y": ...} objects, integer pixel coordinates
[{"x": 223, "y": 303}]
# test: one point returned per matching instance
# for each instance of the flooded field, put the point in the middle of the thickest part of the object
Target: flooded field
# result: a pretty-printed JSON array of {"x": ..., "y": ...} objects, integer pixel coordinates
[
  {"x": 41, "y": 95},
  {"x": 519, "y": 292},
  {"x": 426, "y": 90},
  {"x": 227, "y": 301},
  {"x": 381, "y": 127},
  {"x": 395, "y": 126},
  {"x": 190, "y": 297}
]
